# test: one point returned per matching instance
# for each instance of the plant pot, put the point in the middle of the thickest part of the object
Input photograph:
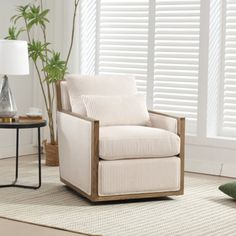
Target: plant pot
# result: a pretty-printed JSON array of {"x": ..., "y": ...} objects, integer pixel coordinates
[{"x": 51, "y": 151}]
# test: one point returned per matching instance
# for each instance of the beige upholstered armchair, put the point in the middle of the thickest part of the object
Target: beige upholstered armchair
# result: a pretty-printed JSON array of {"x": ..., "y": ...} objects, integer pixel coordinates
[{"x": 131, "y": 157}]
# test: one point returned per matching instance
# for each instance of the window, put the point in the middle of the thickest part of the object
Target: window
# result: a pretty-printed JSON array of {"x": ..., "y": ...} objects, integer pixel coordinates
[
  {"x": 87, "y": 39},
  {"x": 158, "y": 41},
  {"x": 176, "y": 59},
  {"x": 228, "y": 113},
  {"x": 123, "y": 39}
]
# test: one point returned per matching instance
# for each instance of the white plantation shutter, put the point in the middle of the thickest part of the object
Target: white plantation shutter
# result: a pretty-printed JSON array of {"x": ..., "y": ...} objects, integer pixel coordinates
[
  {"x": 87, "y": 36},
  {"x": 157, "y": 41},
  {"x": 123, "y": 39},
  {"x": 229, "y": 75},
  {"x": 177, "y": 32}
]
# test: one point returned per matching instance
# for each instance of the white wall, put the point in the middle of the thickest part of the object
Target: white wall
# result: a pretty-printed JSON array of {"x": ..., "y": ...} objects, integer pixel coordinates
[
  {"x": 23, "y": 88},
  {"x": 62, "y": 16},
  {"x": 26, "y": 89}
]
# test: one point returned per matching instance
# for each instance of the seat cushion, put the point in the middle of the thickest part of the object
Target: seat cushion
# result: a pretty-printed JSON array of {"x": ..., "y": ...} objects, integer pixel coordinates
[{"x": 125, "y": 142}]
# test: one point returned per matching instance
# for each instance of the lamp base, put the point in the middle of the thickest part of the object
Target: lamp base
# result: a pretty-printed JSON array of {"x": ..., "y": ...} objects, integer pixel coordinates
[
  {"x": 7, "y": 119},
  {"x": 7, "y": 102}
]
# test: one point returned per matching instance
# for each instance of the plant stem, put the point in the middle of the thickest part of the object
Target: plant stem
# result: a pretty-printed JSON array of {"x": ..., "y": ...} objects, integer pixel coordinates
[
  {"x": 41, "y": 85},
  {"x": 50, "y": 110},
  {"x": 37, "y": 69},
  {"x": 76, "y": 3}
]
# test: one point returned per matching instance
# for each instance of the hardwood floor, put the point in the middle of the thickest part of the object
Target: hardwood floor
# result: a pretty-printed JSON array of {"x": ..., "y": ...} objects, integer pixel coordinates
[{"x": 13, "y": 228}]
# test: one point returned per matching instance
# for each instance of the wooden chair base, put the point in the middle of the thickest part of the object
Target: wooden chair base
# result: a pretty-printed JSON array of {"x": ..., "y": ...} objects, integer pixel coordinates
[{"x": 97, "y": 198}]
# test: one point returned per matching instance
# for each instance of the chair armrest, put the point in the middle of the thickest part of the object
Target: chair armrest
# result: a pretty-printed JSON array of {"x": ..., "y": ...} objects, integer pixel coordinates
[
  {"x": 78, "y": 149},
  {"x": 78, "y": 116},
  {"x": 168, "y": 122},
  {"x": 176, "y": 125}
]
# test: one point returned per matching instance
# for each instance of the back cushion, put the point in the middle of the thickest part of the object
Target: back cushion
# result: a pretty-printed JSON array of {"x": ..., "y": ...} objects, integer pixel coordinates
[
  {"x": 105, "y": 85},
  {"x": 117, "y": 110}
]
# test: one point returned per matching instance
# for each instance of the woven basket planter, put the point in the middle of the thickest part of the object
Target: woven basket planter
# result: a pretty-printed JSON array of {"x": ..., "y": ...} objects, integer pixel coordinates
[{"x": 51, "y": 151}]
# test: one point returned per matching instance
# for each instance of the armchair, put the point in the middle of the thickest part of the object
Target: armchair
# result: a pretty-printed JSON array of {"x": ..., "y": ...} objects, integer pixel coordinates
[{"x": 90, "y": 156}]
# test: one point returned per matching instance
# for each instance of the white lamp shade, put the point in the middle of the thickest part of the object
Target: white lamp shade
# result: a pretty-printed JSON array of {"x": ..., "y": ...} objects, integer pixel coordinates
[{"x": 14, "y": 57}]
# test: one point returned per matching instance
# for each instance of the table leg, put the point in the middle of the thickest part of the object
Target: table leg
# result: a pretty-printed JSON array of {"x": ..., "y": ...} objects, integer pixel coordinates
[
  {"x": 39, "y": 157},
  {"x": 14, "y": 184},
  {"x": 17, "y": 155}
]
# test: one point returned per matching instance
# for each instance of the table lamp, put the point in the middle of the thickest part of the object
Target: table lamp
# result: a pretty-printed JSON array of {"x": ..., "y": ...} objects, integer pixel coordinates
[{"x": 13, "y": 61}]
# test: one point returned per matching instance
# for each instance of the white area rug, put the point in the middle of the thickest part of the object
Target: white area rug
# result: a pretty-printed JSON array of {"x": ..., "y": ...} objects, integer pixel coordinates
[{"x": 203, "y": 210}]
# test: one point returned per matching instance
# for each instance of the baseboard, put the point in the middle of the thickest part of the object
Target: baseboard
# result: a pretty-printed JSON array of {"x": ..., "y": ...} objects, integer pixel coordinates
[
  {"x": 211, "y": 160},
  {"x": 211, "y": 168},
  {"x": 10, "y": 151},
  {"x": 229, "y": 170},
  {"x": 204, "y": 167}
]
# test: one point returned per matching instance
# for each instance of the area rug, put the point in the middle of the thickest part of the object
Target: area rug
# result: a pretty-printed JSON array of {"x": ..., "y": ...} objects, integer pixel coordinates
[{"x": 203, "y": 210}]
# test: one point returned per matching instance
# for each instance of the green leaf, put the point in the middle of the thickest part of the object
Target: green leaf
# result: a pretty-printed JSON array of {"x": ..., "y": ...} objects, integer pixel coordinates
[
  {"x": 37, "y": 50},
  {"x": 22, "y": 13},
  {"x": 55, "y": 68},
  {"x": 13, "y": 33},
  {"x": 37, "y": 17}
]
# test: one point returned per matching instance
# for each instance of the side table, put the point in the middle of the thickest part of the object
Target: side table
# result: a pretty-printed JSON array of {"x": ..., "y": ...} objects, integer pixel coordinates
[{"x": 24, "y": 125}]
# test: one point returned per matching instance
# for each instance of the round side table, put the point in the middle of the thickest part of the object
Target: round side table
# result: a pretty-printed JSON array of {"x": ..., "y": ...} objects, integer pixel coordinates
[{"x": 25, "y": 125}]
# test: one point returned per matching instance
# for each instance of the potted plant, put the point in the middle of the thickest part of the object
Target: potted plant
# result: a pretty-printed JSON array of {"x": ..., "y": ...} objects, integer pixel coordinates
[{"x": 48, "y": 63}]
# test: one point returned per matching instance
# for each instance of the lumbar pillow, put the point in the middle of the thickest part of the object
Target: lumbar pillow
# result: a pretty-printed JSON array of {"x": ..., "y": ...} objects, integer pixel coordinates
[
  {"x": 229, "y": 189},
  {"x": 104, "y": 85},
  {"x": 117, "y": 110}
]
